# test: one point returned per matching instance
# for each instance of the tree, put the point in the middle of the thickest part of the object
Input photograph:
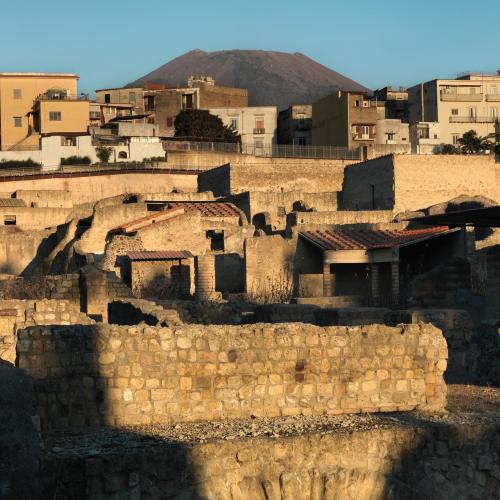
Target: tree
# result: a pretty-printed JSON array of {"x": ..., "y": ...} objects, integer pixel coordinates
[
  {"x": 471, "y": 143},
  {"x": 200, "y": 125},
  {"x": 446, "y": 149},
  {"x": 103, "y": 153}
]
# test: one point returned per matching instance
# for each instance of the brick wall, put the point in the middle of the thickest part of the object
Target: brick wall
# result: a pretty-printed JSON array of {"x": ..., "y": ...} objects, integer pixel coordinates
[{"x": 132, "y": 375}]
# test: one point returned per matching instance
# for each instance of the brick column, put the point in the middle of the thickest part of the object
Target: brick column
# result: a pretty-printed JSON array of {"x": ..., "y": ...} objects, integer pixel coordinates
[
  {"x": 328, "y": 280},
  {"x": 205, "y": 277},
  {"x": 395, "y": 282},
  {"x": 375, "y": 280}
]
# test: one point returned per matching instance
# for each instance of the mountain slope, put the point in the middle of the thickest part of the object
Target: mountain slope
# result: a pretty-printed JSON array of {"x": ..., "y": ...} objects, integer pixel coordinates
[{"x": 272, "y": 78}]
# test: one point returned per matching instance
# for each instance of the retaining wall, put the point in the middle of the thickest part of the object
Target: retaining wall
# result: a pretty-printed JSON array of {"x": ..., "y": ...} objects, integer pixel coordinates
[{"x": 90, "y": 375}]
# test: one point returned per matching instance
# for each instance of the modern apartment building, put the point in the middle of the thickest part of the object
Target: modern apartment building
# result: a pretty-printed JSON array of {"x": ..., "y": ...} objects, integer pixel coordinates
[
  {"x": 34, "y": 105},
  {"x": 470, "y": 102},
  {"x": 295, "y": 125},
  {"x": 256, "y": 125},
  {"x": 396, "y": 102},
  {"x": 346, "y": 119}
]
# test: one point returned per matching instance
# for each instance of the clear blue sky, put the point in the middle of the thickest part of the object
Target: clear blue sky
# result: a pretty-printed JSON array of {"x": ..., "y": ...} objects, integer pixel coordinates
[{"x": 112, "y": 42}]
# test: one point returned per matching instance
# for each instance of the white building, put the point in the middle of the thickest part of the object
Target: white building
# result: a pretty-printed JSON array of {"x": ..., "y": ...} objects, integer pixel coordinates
[
  {"x": 256, "y": 125},
  {"x": 425, "y": 137}
]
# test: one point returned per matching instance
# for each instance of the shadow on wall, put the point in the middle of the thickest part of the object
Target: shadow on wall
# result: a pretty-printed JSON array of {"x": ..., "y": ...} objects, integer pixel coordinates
[{"x": 416, "y": 461}]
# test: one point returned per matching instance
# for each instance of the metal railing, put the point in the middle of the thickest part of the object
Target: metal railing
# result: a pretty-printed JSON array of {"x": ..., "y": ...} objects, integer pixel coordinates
[
  {"x": 62, "y": 97},
  {"x": 472, "y": 119},
  {"x": 274, "y": 150}
]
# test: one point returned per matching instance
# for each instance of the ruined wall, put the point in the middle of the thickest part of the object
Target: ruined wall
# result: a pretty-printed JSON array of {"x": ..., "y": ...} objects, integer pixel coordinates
[
  {"x": 92, "y": 186},
  {"x": 64, "y": 287},
  {"x": 18, "y": 249},
  {"x": 399, "y": 461},
  {"x": 269, "y": 268},
  {"x": 342, "y": 217},
  {"x": 17, "y": 314},
  {"x": 283, "y": 176},
  {"x": 46, "y": 198},
  {"x": 28, "y": 218},
  {"x": 134, "y": 375},
  {"x": 369, "y": 185}
]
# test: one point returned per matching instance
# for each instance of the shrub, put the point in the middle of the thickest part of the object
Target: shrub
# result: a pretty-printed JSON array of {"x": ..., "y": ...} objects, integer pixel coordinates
[
  {"x": 20, "y": 164},
  {"x": 76, "y": 160},
  {"x": 103, "y": 153}
]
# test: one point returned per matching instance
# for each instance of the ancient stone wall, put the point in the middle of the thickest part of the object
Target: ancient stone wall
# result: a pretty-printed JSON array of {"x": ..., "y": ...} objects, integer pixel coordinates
[
  {"x": 342, "y": 217},
  {"x": 17, "y": 314},
  {"x": 90, "y": 375},
  {"x": 64, "y": 287},
  {"x": 401, "y": 462}
]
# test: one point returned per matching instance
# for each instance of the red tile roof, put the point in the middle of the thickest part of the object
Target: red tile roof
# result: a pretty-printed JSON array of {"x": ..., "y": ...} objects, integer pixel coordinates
[
  {"x": 208, "y": 208},
  {"x": 160, "y": 255},
  {"x": 368, "y": 239},
  {"x": 175, "y": 208}
]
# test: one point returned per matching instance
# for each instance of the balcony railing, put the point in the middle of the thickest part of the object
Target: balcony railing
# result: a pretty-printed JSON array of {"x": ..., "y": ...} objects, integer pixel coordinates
[
  {"x": 62, "y": 97},
  {"x": 457, "y": 97},
  {"x": 472, "y": 119},
  {"x": 493, "y": 97},
  {"x": 259, "y": 130}
]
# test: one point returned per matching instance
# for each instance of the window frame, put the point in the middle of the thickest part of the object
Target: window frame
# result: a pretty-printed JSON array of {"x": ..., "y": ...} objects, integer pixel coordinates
[{"x": 55, "y": 116}]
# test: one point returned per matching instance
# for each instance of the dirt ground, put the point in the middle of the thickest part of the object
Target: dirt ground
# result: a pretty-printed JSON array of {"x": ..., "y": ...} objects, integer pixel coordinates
[{"x": 473, "y": 398}]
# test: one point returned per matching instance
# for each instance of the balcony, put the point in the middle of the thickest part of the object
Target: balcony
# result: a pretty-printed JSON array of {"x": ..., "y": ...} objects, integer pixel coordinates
[
  {"x": 62, "y": 96},
  {"x": 472, "y": 119},
  {"x": 493, "y": 97},
  {"x": 259, "y": 130},
  {"x": 457, "y": 97}
]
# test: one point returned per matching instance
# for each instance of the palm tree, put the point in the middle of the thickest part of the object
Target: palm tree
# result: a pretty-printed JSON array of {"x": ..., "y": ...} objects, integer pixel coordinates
[{"x": 471, "y": 143}]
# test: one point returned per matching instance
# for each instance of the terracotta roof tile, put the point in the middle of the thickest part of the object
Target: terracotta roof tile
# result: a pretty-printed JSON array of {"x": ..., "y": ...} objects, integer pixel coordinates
[
  {"x": 208, "y": 208},
  {"x": 366, "y": 239},
  {"x": 11, "y": 202},
  {"x": 160, "y": 255}
]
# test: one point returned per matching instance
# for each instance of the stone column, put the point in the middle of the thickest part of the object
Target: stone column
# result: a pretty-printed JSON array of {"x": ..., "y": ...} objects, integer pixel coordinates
[
  {"x": 205, "y": 277},
  {"x": 375, "y": 282},
  {"x": 395, "y": 282},
  {"x": 328, "y": 280}
]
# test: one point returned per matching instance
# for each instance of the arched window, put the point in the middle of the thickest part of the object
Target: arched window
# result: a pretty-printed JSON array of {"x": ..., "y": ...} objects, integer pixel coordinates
[{"x": 122, "y": 155}]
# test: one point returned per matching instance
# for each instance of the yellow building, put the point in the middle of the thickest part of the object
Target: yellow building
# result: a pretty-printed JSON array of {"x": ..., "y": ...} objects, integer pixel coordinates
[{"x": 33, "y": 105}]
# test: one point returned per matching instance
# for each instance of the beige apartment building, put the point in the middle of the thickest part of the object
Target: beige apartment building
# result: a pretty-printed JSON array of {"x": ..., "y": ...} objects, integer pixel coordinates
[
  {"x": 470, "y": 102},
  {"x": 256, "y": 125},
  {"x": 33, "y": 105}
]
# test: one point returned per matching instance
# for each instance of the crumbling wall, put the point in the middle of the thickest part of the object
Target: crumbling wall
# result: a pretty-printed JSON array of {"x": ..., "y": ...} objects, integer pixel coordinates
[
  {"x": 400, "y": 461},
  {"x": 134, "y": 375}
]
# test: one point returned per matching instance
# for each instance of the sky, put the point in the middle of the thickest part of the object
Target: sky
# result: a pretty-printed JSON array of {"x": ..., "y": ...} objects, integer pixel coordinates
[{"x": 110, "y": 43}]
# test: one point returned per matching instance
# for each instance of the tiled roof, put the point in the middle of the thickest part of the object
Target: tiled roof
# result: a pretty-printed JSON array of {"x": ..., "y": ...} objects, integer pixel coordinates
[
  {"x": 160, "y": 255},
  {"x": 175, "y": 208},
  {"x": 208, "y": 208},
  {"x": 11, "y": 202},
  {"x": 351, "y": 239},
  {"x": 158, "y": 216}
]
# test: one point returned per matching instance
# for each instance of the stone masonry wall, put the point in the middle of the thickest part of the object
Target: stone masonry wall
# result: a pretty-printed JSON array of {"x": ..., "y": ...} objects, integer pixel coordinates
[
  {"x": 140, "y": 375},
  {"x": 17, "y": 314},
  {"x": 441, "y": 462}
]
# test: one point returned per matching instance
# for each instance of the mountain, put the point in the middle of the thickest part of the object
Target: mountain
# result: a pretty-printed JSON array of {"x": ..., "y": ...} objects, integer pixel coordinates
[{"x": 272, "y": 78}]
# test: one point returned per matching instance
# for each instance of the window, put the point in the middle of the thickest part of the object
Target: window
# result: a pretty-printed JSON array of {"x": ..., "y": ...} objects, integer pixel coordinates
[
  {"x": 18, "y": 121},
  {"x": 365, "y": 132},
  {"x": 357, "y": 103},
  {"x": 9, "y": 220},
  {"x": 391, "y": 136},
  {"x": 216, "y": 239},
  {"x": 18, "y": 94},
  {"x": 234, "y": 123},
  {"x": 107, "y": 98},
  {"x": 55, "y": 116},
  {"x": 455, "y": 138},
  {"x": 471, "y": 112},
  {"x": 494, "y": 113},
  {"x": 493, "y": 89},
  {"x": 259, "y": 122},
  {"x": 68, "y": 141},
  {"x": 122, "y": 155},
  {"x": 454, "y": 111},
  {"x": 131, "y": 97},
  {"x": 301, "y": 141}
]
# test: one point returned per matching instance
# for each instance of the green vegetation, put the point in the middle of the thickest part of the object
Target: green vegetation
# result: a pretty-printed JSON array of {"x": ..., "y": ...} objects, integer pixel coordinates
[
  {"x": 103, "y": 153},
  {"x": 469, "y": 144},
  {"x": 200, "y": 125},
  {"x": 19, "y": 164},
  {"x": 76, "y": 160}
]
